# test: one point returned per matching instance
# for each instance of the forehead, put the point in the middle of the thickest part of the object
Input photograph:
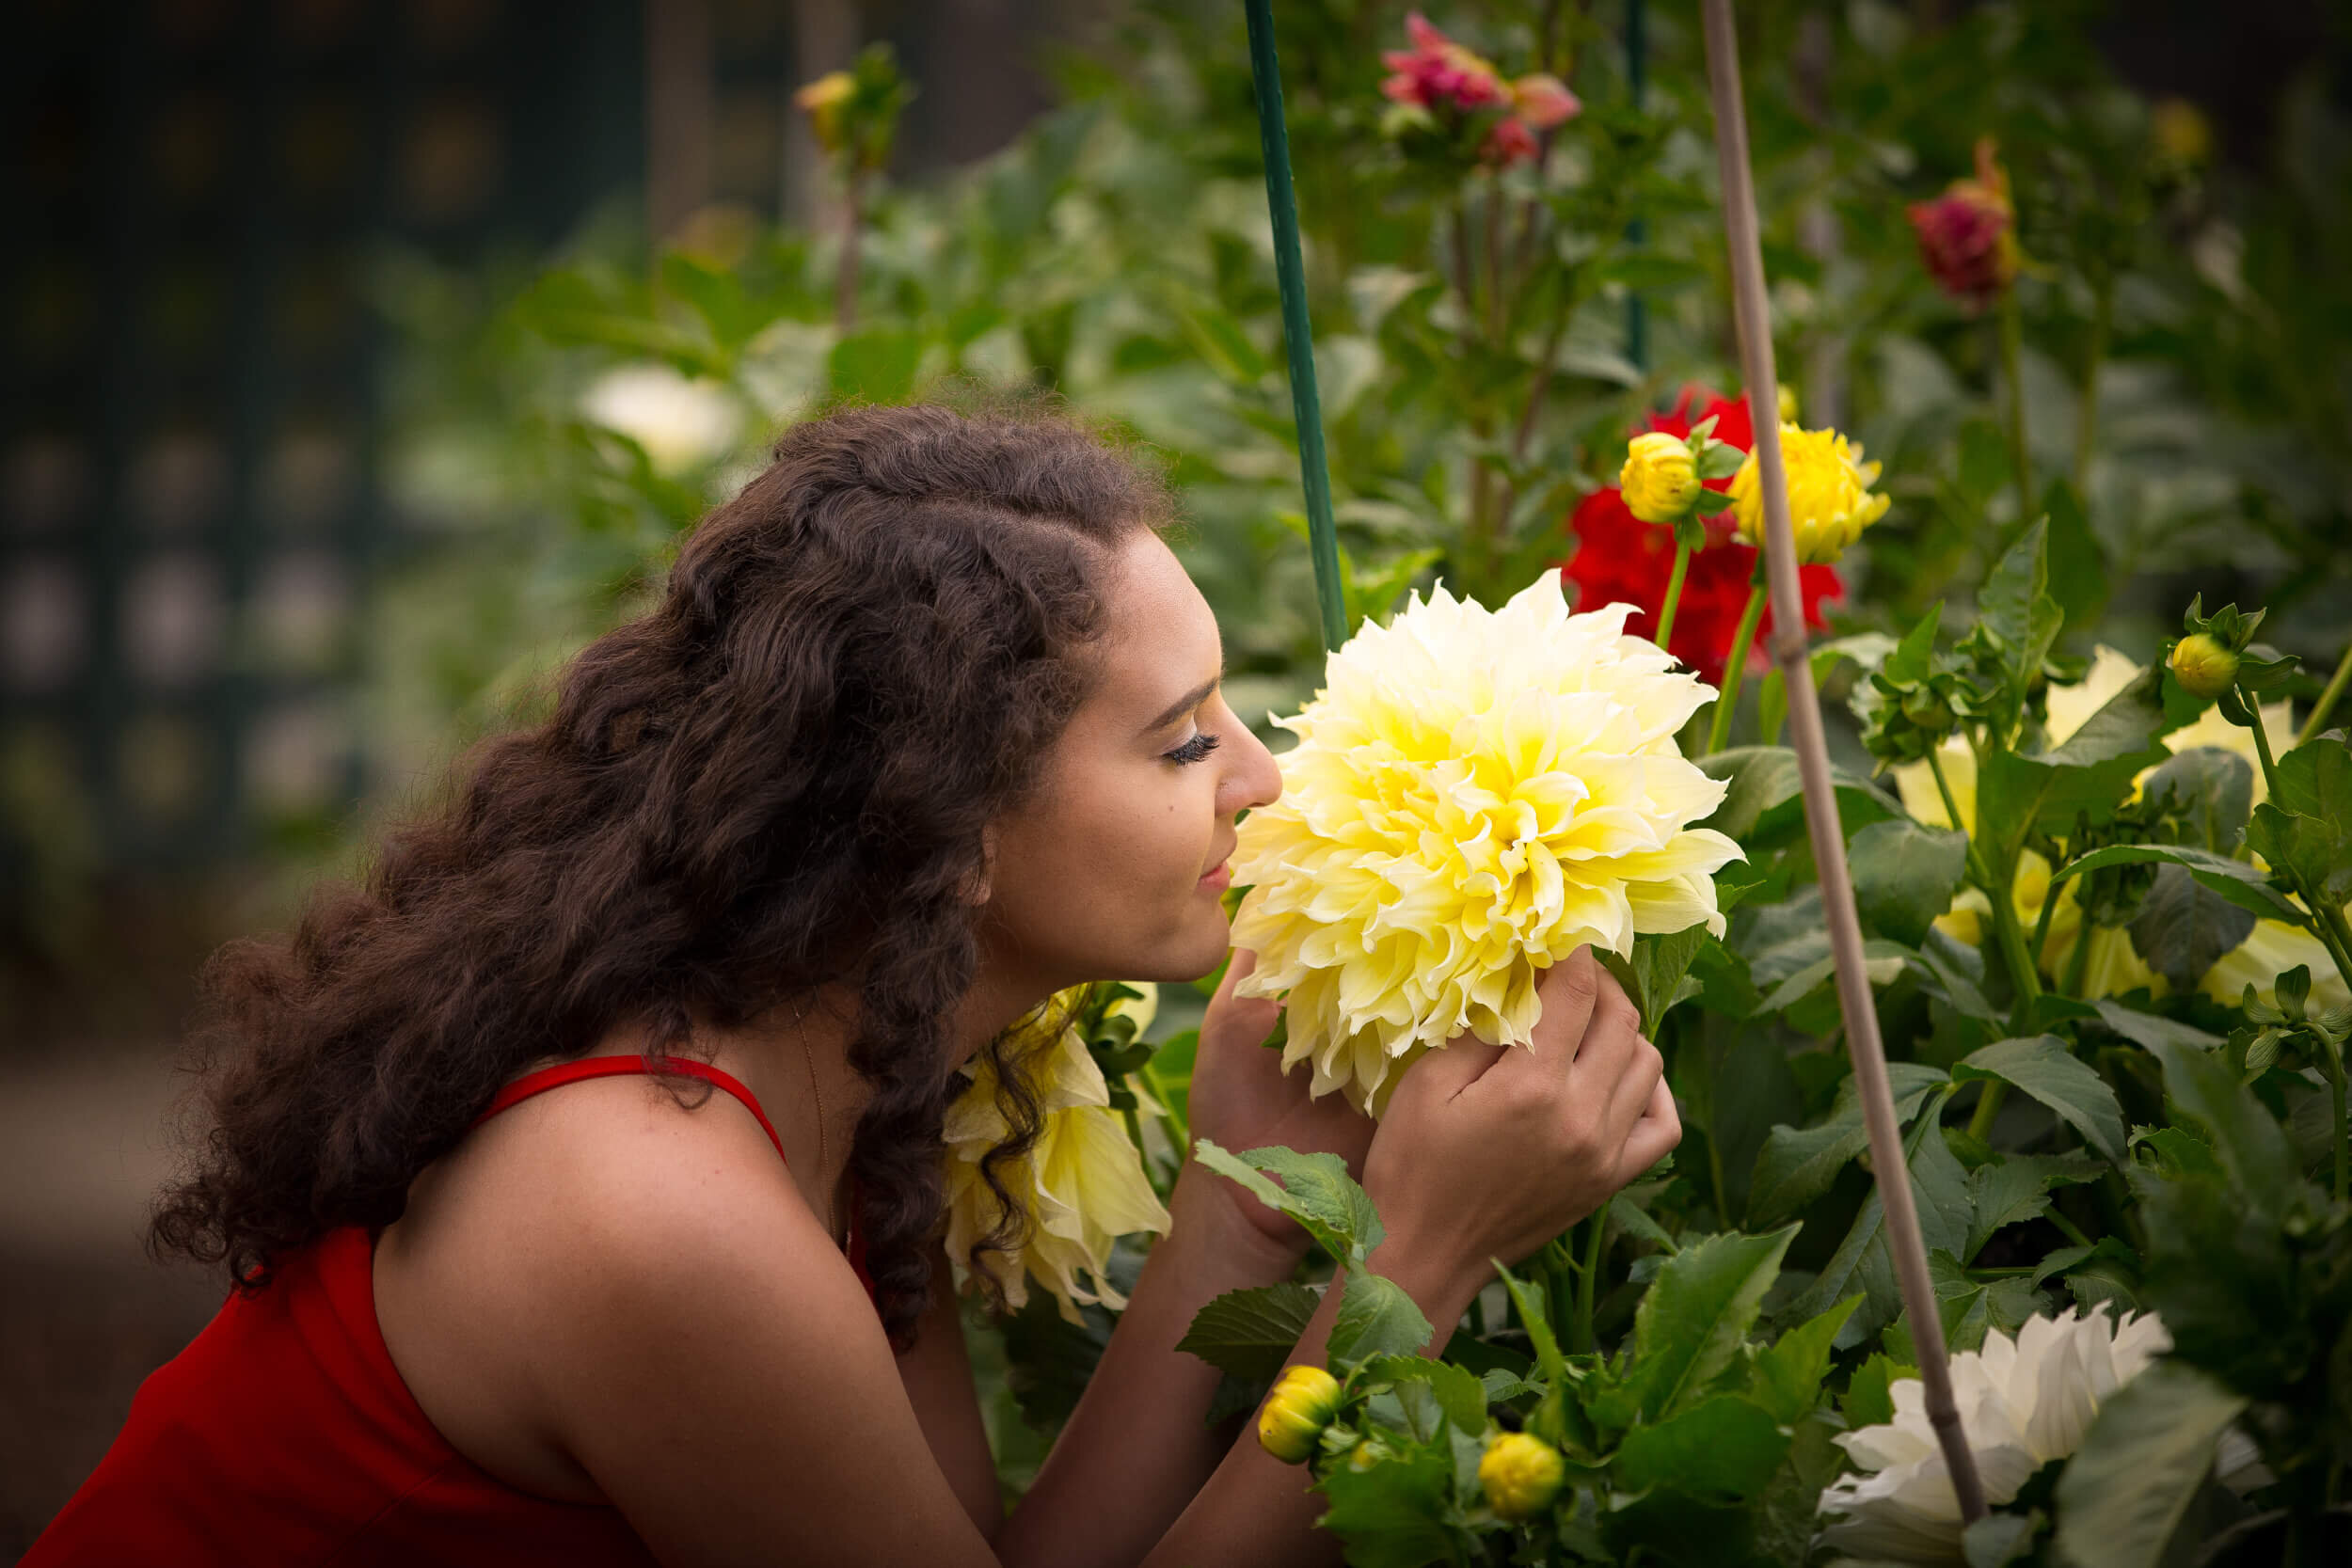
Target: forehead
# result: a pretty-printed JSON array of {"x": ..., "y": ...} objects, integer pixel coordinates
[{"x": 1161, "y": 637}]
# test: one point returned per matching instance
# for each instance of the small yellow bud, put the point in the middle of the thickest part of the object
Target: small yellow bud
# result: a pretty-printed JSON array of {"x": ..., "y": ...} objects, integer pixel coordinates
[
  {"x": 1520, "y": 1475},
  {"x": 1659, "y": 480},
  {"x": 2183, "y": 134},
  {"x": 822, "y": 101},
  {"x": 1295, "y": 1413},
  {"x": 2203, "y": 667},
  {"x": 1787, "y": 403}
]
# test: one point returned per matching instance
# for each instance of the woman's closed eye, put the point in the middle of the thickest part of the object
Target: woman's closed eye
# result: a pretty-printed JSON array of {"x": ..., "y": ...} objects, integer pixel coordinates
[{"x": 1194, "y": 749}]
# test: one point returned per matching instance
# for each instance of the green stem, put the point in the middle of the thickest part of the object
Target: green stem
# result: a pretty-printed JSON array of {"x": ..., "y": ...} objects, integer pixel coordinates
[
  {"x": 2087, "y": 419},
  {"x": 1587, "y": 1281},
  {"x": 2078, "y": 961},
  {"x": 2344, "y": 1136},
  {"x": 1674, "y": 594},
  {"x": 2013, "y": 356},
  {"x": 1736, "y": 667},
  {"x": 2067, "y": 1227},
  {"x": 1951, "y": 813},
  {"x": 2041, "y": 937},
  {"x": 2336, "y": 681}
]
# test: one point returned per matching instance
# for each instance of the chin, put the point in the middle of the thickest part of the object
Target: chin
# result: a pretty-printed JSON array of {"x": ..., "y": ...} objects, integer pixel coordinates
[{"x": 1189, "y": 954}]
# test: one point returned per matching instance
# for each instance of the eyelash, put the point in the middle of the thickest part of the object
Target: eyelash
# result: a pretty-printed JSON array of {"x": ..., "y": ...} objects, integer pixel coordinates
[{"x": 1194, "y": 749}]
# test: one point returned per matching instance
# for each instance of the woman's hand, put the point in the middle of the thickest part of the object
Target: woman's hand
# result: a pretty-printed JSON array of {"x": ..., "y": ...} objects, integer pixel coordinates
[
  {"x": 1490, "y": 1152},
  {"x": 1242, "y": 1099}
]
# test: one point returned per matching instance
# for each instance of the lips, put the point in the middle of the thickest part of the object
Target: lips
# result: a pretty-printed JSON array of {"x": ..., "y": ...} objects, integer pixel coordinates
[{"x": 1218, "y": 878}]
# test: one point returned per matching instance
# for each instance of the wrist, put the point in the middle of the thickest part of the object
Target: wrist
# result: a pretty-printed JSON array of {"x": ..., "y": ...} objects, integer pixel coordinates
[
  {"x": 1440, "y": 1284},
  {"x": 1207, "y": 1210}
]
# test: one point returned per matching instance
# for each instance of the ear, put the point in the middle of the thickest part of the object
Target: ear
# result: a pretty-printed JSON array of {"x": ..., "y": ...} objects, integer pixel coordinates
[{"x": 981, "y": 884}]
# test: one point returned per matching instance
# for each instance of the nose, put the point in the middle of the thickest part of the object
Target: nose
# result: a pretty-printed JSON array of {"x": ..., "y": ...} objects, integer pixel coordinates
[{"x": 1255, "y": 778}]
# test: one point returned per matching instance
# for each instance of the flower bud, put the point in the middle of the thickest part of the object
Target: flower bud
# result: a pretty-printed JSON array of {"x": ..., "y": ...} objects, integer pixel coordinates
[
  {"x": 1829, "y": 499},
  {"x": 2204, "y": 668},
  {"x": 1301, "y": 1405},
  {"x": 1520, "y": 1475},
  {"x": 1787, "y": 403},
  {"x": 824, "y": 101},
  {"x": 1660, "y": 480},
  {"x": 1967, "y": 236}
]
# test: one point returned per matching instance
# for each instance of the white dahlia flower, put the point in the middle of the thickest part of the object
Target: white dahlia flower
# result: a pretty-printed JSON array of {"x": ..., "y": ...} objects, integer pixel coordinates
[
  {"x": 1080, "y": 1189},
  {"x": 2022, "y": 1403},
  {"x": 1474, "y": 794},
  {"x": 681, "y": 423}
]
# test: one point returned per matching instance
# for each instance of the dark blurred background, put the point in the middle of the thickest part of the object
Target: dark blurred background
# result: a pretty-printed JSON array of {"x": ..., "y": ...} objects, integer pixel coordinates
[{"x": 192, "y": 505}]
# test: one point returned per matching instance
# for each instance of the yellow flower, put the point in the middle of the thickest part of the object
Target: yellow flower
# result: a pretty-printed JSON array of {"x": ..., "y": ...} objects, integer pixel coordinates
[
  {"x": 1295, "y": 1413},
  {"x": 822, "y": 101},
  {"x": 1660, "y": 478},
  {"x": 1520, "y": 1474},
  {"x": 2202, "y": 666},
  {"x": 1474, "y": 794},
  {"x": 1080, "y": 1188},
  {"x": 2114, "y": 966},
  {"x": 1829, "y": 499}
]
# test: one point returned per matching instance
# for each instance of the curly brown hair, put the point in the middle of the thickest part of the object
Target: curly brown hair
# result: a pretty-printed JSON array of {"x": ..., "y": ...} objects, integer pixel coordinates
[{"x": 778, "y": 779}]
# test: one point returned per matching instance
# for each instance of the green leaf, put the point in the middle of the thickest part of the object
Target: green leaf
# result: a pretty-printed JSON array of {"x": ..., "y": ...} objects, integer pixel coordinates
[
  {"x": 2014, "y": 1188},
  {"x": 2214, "y": 790},
  {"x": 1789, "y": 1373},
  {"x": 2078, "y": 566},
  {"x": 1765, "y": 806},
  {"x": 876, "y": 365},
  {"x": 1658, "y": 968},
  {"x": 1939, "y": 1191},
  {"x": 1723, "y": 1445},
  {"x": 2184, "y": 926},
  {"x": 1869, "y": 1400},
  {"x": 1528, "y": 1296},
  {"x": 2124, "y": 1493},
  {"x": 1250, "y": 1333},
  {"x": 2235, "y": 881},
  {"x": 1795, "y": 1166},
  {"x": 1392, "y": 1515},
  {"x": 1998, "y": 1540},
  {"x": 1375, "y": 1318},
  {"x": 2248, "y": 1143},
  {"x": 1968, "y": 1308},
  {"x": 1634, "y": 1221},
  {"x": 1904, "y": 876},
  {"x": 2016, "y": 607},
  {"x": 1696, "y": 1314},
  {"x": 2307, "y": 826},
  {"x": 2146, "y": 1029},
  {"x": 2042, "y": 1066},
  {"x": 1316, "y": 1191},
  {"x": 1458, "y": 1393}
]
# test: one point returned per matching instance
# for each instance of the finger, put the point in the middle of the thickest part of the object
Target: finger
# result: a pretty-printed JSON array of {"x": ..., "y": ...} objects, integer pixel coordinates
[
  {"x": 1249, "y": 1018},
  {"x": 1239, "y": 965},
  {"x": 1636, "y": 1091},
  {"x": 1653, "y": 1138},
  {"x": 1569, "y": 991},
  {"x": 1437, "y": 1076},
  {"x": 1605, "y": 1051}
]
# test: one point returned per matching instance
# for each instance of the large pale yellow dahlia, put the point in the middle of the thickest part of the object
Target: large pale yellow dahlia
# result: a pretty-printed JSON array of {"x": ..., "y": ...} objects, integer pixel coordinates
[
  {"x": 1080, "y": 1189},
  {"x": 1474, "y": 794},
  {"x": 2113, "y": 966}
]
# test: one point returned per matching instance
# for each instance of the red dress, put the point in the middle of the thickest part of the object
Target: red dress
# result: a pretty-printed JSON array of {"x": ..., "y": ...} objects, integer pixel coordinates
[{"x": 283, "y": 1434}]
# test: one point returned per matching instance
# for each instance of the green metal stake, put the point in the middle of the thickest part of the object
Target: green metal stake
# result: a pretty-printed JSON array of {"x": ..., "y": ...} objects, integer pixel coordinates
[{"x": 1298, "y": 339}]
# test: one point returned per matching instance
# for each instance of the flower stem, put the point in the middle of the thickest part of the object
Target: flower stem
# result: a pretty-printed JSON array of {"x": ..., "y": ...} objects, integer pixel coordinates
[
  {"x": 2067, "y": 1227},
  {"x": 1736, "y": 665},
  {"x": 2327, "y": 699},
  {"x": 1674, "y": 596},
  {"x": 852, "y": 234},
  {"x": 2078, "y": 961},
  {"x": 1587, "y": 1278},
  {"x": 2013, "y": 334},
  {"x": 2086, "y": 418}
]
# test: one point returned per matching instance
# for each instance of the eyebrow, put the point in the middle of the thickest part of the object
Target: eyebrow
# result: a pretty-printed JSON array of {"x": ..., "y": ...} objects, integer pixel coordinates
[{"x": 1185, "y": 704}]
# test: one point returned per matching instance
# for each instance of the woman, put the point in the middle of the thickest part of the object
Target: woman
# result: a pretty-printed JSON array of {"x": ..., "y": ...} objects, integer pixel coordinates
[{"x": 925, "y": 727}]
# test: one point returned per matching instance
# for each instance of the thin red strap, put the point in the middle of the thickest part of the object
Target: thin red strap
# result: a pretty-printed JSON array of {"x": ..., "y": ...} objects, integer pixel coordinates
[{"x": 620, "y": 1066}]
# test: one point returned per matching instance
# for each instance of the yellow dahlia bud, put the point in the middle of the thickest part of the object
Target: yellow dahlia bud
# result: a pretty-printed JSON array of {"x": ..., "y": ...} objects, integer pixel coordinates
[
  {"x": 1301, "y": 1405},
  {"x": 1660, "y": 478},
  {"x": 2183, "y": 133},
  {"x": 823, "y": 101},
  {"x": 1787, "y": 402},
  {"x": 1829, "y": 499},
  {"x": 1520, "y": 1475},
  {"x": 2203, "y": 667}
]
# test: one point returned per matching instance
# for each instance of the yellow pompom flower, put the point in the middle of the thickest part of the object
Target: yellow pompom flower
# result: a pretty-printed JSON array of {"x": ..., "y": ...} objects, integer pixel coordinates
[
  {"x": 1520, "y": 1474},
  {"x": 1474, "y": 794},
  {"x": 1295, "y": 1413},
  {"x": 1660, "y": 478},
  {"x": 1082, "y": 1186},
  {"x": 1829, "y": 499}
]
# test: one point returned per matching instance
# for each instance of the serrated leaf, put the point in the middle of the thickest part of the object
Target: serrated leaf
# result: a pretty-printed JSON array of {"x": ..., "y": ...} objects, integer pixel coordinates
[
  {"x": 2146, "y": 1029},
  {"x": 1904, "y": 876},
  {"x": 1316, "y": 1191},
  {"x": 1250, "y": 1333},
  {"x": 2246, "y": 1141},
  {"x": 1720, "y": 1446},
  {"x": 2015, "y": 606},
  {"x": 2214, "y": 790},
  {"x": 1788, "y": 1374},
  {"x": 1797, "y": 1166},
  {"x": 2042, "y": 1066},
  {"x": 2235, "y": 881},
  {"x": 1392, "y": 1515},
  {"x": 1696, "y": 1314},
  {"x": 2152, "y": 1444},
  {"x": 2183, "y": 927},
  {"x": 1375, "y": 1318},
  {"x": 1869, "y": 1400},
  {"x": 1459, "y": 1394},
  {"x": 2014, "y": 1188}
]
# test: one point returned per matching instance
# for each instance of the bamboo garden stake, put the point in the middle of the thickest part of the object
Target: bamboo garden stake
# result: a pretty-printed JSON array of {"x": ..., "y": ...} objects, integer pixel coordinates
[{"x": 1752, "y": 310}]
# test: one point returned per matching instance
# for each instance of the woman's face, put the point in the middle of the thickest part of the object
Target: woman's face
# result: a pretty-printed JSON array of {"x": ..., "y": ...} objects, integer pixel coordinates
[{"x": 1113, "y": 868}]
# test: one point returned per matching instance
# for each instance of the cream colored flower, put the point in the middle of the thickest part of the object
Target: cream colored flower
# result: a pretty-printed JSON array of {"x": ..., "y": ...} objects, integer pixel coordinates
[
  {"x": 2114, "y": 966},
  {"x": 1082, "y": 1186},
  {"x": 1474, "y": 794},
  {"x": 2022, "y": 1403},
  {"x": 680, "y": 423},
  {"x": 1829, "y": 499}
]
